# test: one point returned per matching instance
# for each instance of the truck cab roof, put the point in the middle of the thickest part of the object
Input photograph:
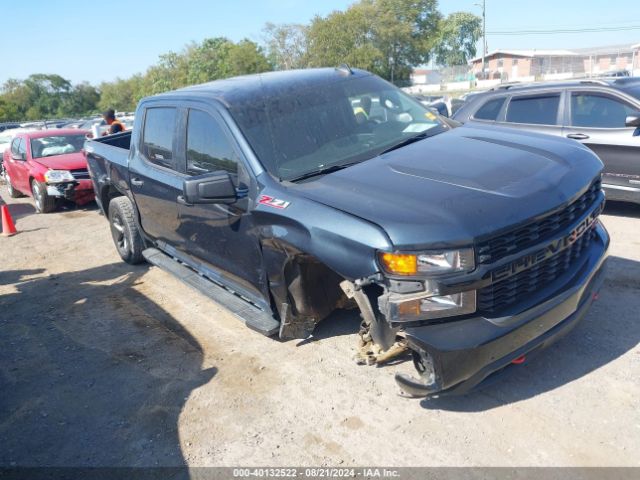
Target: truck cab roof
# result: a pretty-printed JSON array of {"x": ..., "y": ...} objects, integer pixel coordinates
[{"x": 238, "y": 90}]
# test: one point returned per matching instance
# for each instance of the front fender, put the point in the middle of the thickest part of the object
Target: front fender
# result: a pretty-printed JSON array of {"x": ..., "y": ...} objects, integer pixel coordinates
[
  {"x": 308, "y": 249},
  {"x": 37, "y": 171},
  {"x": 344, "y": 243}
]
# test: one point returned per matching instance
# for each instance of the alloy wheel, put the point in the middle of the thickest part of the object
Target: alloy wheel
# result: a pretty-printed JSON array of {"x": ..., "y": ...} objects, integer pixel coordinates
[
  {"x": 37, "y": 195},
  {"x": 119, "y": 235}
]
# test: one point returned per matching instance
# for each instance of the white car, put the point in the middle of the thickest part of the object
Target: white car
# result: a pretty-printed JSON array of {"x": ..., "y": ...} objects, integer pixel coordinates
[{"x": 6, "y": 137}]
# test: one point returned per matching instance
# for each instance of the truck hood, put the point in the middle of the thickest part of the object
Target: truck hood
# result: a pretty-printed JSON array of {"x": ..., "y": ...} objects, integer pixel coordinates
[
  {"x": 68, "y": 161},
  {"x": 453, "y": 188}
]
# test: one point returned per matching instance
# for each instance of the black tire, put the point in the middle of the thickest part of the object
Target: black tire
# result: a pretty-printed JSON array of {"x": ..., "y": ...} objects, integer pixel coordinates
[
  {"x": 13, "y": 193},
  {"x": 44, "y": 202},
  {"x": 124, "y": 230}
]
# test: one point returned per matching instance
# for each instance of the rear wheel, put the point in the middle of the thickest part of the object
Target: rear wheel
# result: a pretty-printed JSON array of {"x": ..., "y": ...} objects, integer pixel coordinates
[
  {"x": 124, "y": 230},
  {"x": 13, "y": 193},
  {"x": 45, "y": 203}
]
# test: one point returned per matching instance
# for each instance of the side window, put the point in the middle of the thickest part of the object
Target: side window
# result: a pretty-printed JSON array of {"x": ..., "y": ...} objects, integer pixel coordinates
[
  {"x": 598, "y": 111},
  {"x": 22, "y": 147},
  {"x": 208, "y": 148},
  {"x": 538, "y": 110},
  {"x": 490, "y": 110},
  {"x": 14, "y": 145},
  {"x": 157, "y": 138}
]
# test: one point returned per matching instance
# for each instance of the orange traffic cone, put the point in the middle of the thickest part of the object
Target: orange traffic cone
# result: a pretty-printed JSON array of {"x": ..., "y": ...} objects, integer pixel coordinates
[{"x": 8, "y": 228}]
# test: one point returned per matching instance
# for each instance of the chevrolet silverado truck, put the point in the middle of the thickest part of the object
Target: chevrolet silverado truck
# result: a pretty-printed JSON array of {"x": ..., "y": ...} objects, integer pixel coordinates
[{"x": 285, "y": 196}]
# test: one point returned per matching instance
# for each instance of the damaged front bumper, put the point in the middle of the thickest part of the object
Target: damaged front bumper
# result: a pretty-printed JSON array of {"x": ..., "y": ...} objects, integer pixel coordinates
[
  {"x": 455, "y": 355},
  {"x": 78, "y": 191}
]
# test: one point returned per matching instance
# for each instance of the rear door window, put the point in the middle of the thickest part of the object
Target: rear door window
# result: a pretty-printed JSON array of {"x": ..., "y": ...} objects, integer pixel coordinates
[
  {"x": 534, "y": 109},
  {"x": 158, "y": 136},
  {"x": 490, "y": 110},
  {"x": 598, "y": 111}
]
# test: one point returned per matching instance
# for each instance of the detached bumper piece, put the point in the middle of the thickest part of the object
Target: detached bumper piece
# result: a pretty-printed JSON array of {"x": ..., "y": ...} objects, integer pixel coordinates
[{"x": 455, "y": 357}]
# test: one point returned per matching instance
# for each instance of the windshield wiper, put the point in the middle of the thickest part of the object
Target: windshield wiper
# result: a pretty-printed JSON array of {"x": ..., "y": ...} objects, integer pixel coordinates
[
  {"x": 322, "y": 171},
  {"x": 406, "y": 141}
]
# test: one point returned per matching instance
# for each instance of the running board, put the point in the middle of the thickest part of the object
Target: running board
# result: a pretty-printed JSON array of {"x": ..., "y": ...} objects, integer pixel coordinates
[{"x": 253, "y": 317}]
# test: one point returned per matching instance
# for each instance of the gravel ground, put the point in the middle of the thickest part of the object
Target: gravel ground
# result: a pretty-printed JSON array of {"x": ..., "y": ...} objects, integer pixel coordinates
[{"x": 103, "y": 364}]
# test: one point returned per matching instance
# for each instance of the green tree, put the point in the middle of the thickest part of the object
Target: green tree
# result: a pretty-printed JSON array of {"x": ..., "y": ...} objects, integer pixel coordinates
[
  {"x": 286, "y": 45},
  {"x": 219, "y": 57},
  {"x": 459, "y": 33},
  {"x": 247, "y": 57},
  {"x": 343, "y": 37},
  {"x": 8, "y": 111},
  {"x": 209, "y": 60},
  {"x": 121, "y": 94},
  {"x": 82, "y": 99},
  {"x": 387, "y": 37},
  {"x": 43, "y": 96}
]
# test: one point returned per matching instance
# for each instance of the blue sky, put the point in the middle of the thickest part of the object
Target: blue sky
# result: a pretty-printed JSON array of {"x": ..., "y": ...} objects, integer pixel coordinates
[{"x": 89, "y": 40}]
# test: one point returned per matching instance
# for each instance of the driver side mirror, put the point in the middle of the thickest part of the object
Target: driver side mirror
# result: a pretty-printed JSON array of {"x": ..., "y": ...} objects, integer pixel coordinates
[
  {"x": 215, "y": 187},
  {"x": 21, "y": 157},
  {"x": 633, "y": 120}
]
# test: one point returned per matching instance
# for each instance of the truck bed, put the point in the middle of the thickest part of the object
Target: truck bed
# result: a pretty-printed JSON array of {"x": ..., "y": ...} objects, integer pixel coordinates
[
  {"x": 108, "y": 164},
  {"x": 115, "y": 148}
]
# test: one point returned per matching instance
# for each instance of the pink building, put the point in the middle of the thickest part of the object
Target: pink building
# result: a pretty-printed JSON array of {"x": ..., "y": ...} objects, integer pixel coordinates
[{"x": 540, "y": 64}]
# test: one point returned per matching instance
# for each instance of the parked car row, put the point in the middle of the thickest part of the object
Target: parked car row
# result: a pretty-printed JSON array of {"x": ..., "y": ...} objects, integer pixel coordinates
[{"x": 442, "y": 104}]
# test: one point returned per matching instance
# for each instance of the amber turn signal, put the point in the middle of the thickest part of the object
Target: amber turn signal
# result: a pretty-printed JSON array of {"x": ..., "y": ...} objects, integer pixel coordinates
[{"x": 400, "y": 263}]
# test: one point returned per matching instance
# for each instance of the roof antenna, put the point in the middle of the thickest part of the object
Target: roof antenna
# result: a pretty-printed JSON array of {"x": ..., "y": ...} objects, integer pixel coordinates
[{"x": 345, "y": 68}]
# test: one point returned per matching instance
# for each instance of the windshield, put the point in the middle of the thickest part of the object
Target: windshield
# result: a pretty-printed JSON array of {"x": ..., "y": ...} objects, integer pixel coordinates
[
  {"x": 58, "y": 145},
  {"x": 344, "y": 122}
]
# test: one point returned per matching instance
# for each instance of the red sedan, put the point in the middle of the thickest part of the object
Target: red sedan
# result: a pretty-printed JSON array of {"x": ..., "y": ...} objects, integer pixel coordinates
[{"x": 48, "y": 165}]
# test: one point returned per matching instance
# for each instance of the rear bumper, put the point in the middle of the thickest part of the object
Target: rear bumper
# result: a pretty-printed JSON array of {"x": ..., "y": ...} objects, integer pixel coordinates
[
  {"x": 463, "y": 353},
  {"x": 622, "y": 193},
  {"x": 79, "y": 191}
]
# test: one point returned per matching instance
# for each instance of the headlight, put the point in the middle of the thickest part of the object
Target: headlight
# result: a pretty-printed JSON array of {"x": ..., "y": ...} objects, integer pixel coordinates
[
  {"x": 58, "y": 176},
  {"x": 428, "y": 263}
]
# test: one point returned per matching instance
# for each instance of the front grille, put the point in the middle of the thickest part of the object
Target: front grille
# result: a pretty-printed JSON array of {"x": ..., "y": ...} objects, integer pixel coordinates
[
  {"x": 495, "y": 297},
  {"x": 80, "y": 174},
  {"x": 533, "y": 233}
]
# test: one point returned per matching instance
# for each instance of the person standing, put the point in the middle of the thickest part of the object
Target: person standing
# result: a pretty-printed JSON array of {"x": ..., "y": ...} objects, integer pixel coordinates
[{"x": 115, "y": 125}]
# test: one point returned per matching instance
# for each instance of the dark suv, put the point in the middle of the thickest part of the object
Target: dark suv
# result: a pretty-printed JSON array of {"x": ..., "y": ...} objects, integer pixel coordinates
[{"x": 603, "y": 114}]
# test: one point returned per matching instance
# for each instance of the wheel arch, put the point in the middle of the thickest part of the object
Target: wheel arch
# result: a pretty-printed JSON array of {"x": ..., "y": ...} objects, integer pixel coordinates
[{"x": 304, "y": 290}]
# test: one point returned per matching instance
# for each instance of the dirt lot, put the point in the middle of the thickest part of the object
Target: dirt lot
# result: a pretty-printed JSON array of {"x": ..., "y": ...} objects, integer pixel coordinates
[{"x": 104, "y": 364}]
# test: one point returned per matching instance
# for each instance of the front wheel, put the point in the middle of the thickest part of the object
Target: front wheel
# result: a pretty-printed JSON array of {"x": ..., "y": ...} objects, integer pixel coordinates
[
  {"x": 124, "y": 230},
  {"x": 45, "y": 203}
]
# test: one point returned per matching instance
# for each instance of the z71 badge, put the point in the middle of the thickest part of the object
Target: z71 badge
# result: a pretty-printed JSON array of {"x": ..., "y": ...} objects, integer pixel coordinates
[{"x": 273, "y": 202}]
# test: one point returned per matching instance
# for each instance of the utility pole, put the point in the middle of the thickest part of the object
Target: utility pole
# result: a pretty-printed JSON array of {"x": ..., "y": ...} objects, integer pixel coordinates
[{"x": 484, "y": 34}]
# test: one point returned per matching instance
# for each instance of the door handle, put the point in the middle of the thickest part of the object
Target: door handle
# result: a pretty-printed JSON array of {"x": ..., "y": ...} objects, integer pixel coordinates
[
  {"x": 137, "y": 182},
  {"x": 578, "y": 136},
  {"x": 181, "y": 200}
]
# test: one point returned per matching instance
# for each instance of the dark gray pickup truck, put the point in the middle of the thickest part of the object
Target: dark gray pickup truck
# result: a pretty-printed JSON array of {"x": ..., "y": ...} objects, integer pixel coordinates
[{"x": 285, "y": 196}]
